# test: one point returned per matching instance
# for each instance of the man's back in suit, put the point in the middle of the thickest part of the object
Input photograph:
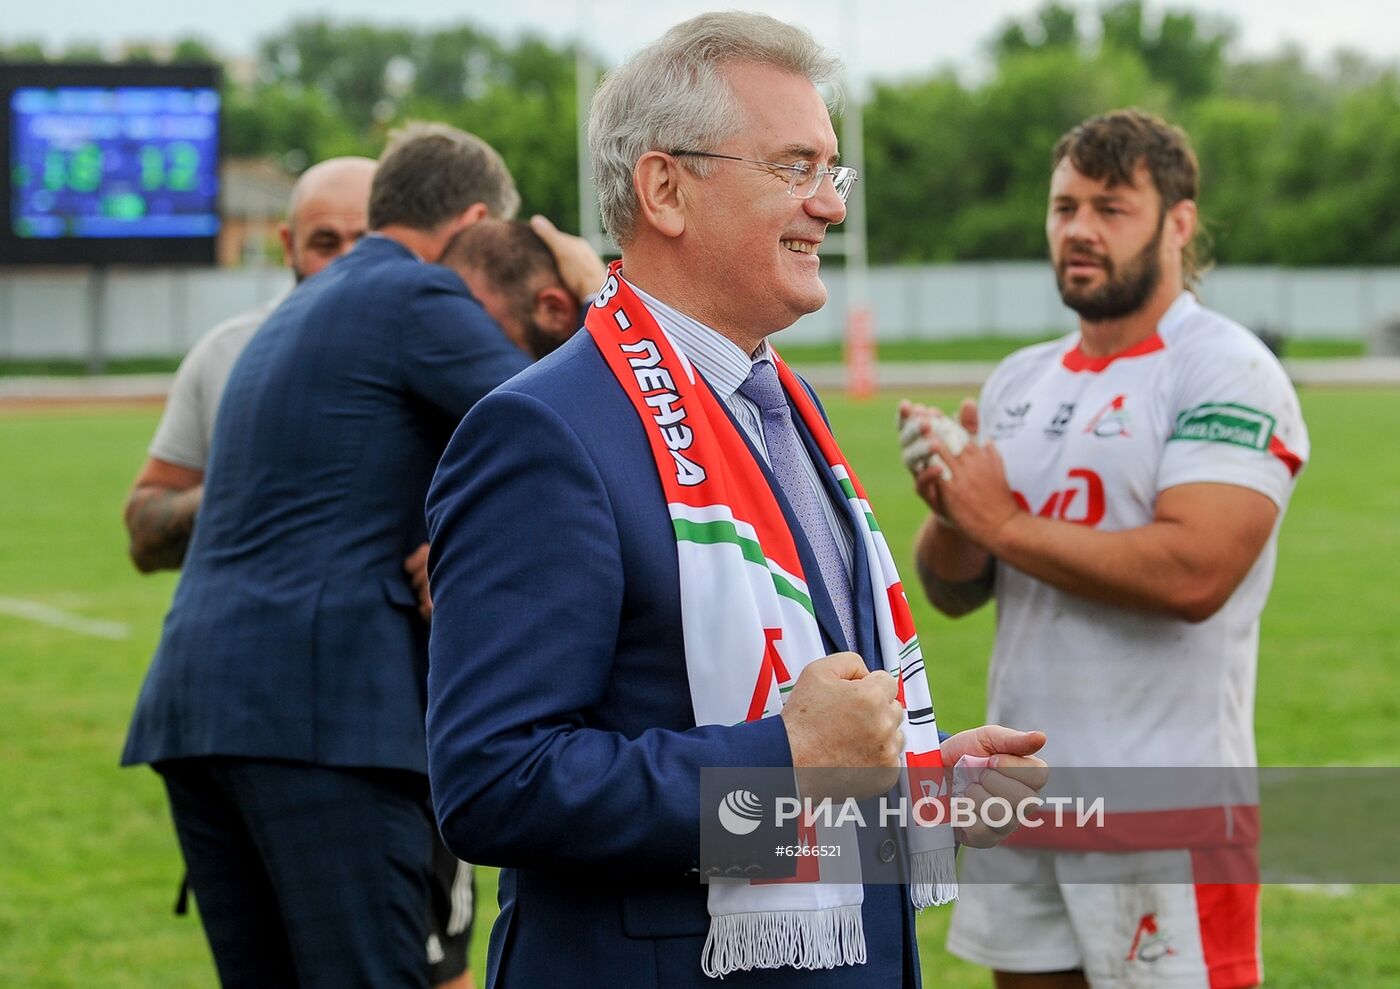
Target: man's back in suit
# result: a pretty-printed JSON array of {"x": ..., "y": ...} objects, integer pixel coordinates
[{"x": 294, "y": 633}]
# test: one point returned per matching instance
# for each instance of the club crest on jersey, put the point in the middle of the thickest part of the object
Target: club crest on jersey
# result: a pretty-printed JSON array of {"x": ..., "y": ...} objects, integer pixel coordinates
[
  {"x": 1111, "y": 420},
  {"x": 1150, "y": 942},
  {"x": 1013, "y": 418},
  {"x": 1060, "y": 422}
]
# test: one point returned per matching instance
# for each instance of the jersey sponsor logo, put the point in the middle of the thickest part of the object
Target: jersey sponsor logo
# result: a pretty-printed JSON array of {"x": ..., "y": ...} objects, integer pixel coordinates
[
  {"x": 1225, "y": 422},
  {"x": 1065, "y": 503},
  {"x": 1150, "y": 942},
  {"x": 1111, "y": 420},
  {"x": 1013, "y": 418},
  {"x": 1060, "y": 421}
]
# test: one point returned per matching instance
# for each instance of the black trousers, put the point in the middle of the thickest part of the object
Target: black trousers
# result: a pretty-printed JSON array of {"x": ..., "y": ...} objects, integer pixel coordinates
[{"x": 306, "y": 876}]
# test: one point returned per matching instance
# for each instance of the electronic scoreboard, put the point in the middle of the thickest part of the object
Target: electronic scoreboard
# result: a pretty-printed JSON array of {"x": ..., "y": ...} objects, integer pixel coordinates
[{"x": 109, "y": 164}]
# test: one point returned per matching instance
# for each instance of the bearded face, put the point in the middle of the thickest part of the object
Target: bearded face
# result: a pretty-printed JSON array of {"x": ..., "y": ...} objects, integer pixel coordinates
[
  {"x": 1098, "y": 287},
  {"x": 1105, "y": 242}
]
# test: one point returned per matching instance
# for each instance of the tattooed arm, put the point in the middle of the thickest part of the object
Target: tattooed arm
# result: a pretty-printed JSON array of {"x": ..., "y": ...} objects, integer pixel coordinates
[{"x": 160, "y": 514}]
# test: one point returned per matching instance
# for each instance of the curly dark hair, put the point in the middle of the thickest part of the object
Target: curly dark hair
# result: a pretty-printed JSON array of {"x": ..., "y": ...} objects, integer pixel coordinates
[{"x": 1111, "y": 146}]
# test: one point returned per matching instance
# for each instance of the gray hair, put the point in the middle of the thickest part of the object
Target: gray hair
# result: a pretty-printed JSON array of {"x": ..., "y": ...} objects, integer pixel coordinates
[
  {"x": 430, "y": 173},
  {"x": 673, "y": 95}
]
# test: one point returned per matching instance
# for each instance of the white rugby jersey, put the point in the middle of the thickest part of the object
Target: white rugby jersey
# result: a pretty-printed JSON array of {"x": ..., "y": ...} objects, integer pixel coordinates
[{"x": 1092, "y": 441}]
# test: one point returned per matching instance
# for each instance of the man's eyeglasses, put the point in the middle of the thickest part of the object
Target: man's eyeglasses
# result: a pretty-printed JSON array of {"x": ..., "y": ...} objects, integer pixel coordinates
[{"x": 804, "y": 178}]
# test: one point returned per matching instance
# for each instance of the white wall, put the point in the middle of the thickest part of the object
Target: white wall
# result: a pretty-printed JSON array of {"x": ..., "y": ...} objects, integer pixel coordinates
[
  {"x": 46, "y": 313},
  {"x": 1018, "y": 298}
]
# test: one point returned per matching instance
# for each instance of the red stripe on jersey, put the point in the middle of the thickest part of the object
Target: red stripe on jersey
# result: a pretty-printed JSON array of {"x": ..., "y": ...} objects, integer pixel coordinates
[
  {"x": 1144, "y": 830},
  {"x": 1291, "y": 460},
  {"x": 1228, "y": 916},
  {"x": 1077, "y": 360}
]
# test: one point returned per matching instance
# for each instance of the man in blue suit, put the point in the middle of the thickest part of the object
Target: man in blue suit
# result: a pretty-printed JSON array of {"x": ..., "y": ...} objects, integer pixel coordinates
[
  {"x": 284, "y": 706},
  {"x": 565, "y": 729}
]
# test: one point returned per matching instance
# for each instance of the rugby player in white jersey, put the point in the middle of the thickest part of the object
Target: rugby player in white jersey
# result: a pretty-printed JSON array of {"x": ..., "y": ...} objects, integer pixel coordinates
[{"x": 1121, "y": 502}]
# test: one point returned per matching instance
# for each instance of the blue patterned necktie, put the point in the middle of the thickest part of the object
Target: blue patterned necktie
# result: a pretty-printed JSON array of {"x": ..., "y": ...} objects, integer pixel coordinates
[{"x": 785, "y": 455}]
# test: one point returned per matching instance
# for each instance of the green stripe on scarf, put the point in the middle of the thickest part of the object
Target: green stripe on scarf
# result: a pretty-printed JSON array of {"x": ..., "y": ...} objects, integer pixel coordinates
[
  {"x": 720, "y": 531},
  {"x": 850, "y": 491}
]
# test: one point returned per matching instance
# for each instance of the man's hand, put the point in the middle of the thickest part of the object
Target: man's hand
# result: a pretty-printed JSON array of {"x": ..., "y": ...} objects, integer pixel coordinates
[
  {"x": 976, "y": 499},
  {"x": 580, "y": 267},
  {"x": 1015, "y": 774},
  {"x": 416, "y": 566},
  {"x": 918, "y": 424},
  {"x": 921, "y": 448},
  {"x": 840, "y": 715}
]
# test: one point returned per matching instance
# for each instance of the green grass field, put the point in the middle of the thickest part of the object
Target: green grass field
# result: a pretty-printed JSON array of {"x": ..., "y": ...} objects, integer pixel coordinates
[{"x": 88, "y": 862}]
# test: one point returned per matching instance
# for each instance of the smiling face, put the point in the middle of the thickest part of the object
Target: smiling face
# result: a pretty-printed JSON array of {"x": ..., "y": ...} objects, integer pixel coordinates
[
  {"x": 753, "y": 244},
  {"x": 1106, "y": 242}
]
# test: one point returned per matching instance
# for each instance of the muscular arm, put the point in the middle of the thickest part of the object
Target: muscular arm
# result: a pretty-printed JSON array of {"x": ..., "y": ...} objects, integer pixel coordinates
[
  {"x": 160, "y": 513},
  {"x": 1187, "y": 561},
  {"x": 957, "y": 575}
]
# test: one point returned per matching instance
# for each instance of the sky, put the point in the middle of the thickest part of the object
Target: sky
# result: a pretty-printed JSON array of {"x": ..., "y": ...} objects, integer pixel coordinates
[{"x": 884, "y": 40}]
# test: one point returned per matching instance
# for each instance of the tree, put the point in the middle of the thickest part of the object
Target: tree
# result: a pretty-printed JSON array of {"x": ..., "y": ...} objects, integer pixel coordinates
[
  {"x": 1182, "y": 51},
  {"x": 24, "y": 50},
  {"x": 294, "y": 126},
  {"x": 348, "y": 85},
  {"x": 1297, "y": 163},
  {"x": 192, "y": 49},
  {"x": 957, "y": 174},
  {"x": 1236, "y": 142},
  {"x": 1054, "y": 27},
  {"x": 1337, "y": 202}
]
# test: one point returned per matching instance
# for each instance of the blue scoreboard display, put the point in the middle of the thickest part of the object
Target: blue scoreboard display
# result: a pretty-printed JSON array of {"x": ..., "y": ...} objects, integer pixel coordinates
[{"x": 110, "y": 164}]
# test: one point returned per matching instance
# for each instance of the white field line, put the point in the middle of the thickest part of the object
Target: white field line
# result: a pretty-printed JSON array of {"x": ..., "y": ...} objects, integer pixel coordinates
[
  {"x": 1323, "y": 889},
  {"x": 44, "y": 615}
]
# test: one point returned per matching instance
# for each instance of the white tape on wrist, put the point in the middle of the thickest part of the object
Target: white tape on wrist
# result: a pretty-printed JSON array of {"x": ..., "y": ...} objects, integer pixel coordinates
[{"x": 916, "y": 449}]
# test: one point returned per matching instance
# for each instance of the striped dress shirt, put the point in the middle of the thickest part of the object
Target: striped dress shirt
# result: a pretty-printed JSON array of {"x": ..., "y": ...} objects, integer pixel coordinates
[{"x": 725, "y": 367}]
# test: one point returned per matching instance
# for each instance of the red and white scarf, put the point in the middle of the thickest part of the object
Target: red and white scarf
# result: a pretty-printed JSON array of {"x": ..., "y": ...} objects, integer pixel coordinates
[{"x": 750, "y": 630}]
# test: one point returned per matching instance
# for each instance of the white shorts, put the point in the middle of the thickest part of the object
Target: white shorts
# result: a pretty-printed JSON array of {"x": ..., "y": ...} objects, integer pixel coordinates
[{"x": 1126, "y": 919}]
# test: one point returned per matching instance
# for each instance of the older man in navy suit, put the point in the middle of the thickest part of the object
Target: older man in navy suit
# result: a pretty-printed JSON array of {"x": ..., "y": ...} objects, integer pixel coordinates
[
  {"x": 578, "y": 682},
  {"x": 284, "y": 707}
]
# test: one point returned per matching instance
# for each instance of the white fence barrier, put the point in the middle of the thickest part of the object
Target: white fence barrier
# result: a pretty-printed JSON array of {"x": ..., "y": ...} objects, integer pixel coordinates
[{"x": 50, "y": 314}]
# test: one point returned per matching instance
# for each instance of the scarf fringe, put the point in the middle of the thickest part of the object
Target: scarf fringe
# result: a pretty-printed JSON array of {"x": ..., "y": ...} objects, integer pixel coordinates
[
  {"x": 933, "y": 878},
  {"x": 740, "y": 942}
]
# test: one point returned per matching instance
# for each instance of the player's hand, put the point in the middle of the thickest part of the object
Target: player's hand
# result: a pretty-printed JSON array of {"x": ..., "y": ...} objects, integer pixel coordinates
[
  {"x": 976, "y": 499},
  {"x": 1014, "y": 773},
  {"x": 842, "y": 716},
  {"x": 580, "y": 267},
  {"x": 920, "y": 426},
  {"x": 416, "y": 566}
]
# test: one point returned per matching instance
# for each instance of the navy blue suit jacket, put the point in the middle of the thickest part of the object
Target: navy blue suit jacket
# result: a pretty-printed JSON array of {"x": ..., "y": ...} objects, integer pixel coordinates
[
  {"x": 561, "y": 740},
  {"x": 294, "y": 633}
]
